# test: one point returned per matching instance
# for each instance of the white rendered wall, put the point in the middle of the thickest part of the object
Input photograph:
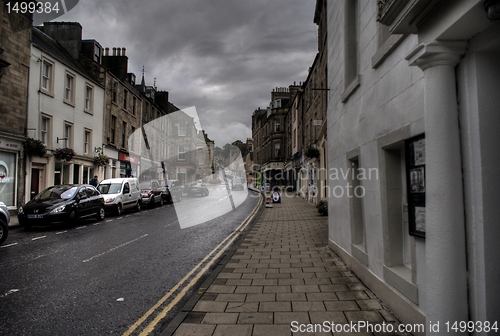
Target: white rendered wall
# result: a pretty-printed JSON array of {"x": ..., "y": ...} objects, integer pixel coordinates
[
  {"x": 60, "y": 111},
  {"x": 388, "y": 99},
  {"x": 479, "y": 80}
]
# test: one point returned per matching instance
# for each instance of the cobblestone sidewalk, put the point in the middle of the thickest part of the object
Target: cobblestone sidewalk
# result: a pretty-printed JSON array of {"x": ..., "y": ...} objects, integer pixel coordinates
[{"x": 283, "y": 277}]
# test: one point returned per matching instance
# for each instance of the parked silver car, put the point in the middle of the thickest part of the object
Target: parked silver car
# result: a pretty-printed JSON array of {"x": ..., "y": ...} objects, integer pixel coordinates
[{"x": 4, "y": 222}]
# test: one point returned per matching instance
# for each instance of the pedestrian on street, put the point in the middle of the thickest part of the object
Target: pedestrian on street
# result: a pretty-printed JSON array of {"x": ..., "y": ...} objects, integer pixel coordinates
[{"x": 94, "y": 181}]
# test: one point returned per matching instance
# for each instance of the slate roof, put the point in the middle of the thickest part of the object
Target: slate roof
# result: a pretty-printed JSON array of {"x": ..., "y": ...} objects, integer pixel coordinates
[{"x": 54, "y": 49}]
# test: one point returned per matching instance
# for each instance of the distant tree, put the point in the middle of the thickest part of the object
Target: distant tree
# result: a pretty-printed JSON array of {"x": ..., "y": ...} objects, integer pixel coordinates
[
  {"x": 242, "y": 146},
  {"x": 226, "y": 150},
  {"x": 217, "y": 151}
]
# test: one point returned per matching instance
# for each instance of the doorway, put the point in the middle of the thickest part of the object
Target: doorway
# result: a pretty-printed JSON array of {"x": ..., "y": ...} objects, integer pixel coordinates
[{"x": 35, "y": 182}]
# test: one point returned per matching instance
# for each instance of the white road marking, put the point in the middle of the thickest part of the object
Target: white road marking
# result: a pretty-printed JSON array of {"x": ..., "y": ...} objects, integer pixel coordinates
[
  {"x": 114, "y": 248},
  {"x": 81, "y": 227},
  {"x": 119, "y": 218},
  {"x": 109, "y": 220},
  {"x": 209, "y": 259},
  {"x": 36, "y": 238},
  {"x": 96, "y": 224},
  {"x": 8, "y": 245},
  {"x": 61, "y": 232},
  {"x": 10, "y": 292}
]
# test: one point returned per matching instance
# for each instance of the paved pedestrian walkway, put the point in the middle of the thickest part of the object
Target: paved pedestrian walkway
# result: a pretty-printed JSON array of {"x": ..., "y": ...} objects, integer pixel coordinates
[{"x": 281, "y": 278}]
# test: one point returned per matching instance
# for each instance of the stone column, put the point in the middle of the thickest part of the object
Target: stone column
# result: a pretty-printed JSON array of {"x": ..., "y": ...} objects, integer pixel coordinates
[{"x": 446, "y": 272}]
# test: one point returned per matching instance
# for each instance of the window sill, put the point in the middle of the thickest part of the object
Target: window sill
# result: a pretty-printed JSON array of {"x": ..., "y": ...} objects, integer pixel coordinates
[
  {"x": 48, "y": 93},
  {"x": 386, "y": 49},
  {"x": 89, "y": 112},
  {"x": 400, "y": 278},
  {"x": 351, "y": 88},
  {"x": 70, "y": 103}
]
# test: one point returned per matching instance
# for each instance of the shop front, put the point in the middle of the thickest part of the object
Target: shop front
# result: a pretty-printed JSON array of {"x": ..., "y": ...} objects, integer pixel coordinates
[
  {"x": 129, "y": 165},
  {"x": 11, "y": 178}
]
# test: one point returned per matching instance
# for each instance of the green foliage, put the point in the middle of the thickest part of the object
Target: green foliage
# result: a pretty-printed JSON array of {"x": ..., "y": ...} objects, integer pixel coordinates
[
  {"x": 312, "y": 152},
  {"x": 34, "y": 147},
  {"x": 101, "y": 159},
  {"x": 323, "y": 208},
  {"x": 65, "y": 154}
]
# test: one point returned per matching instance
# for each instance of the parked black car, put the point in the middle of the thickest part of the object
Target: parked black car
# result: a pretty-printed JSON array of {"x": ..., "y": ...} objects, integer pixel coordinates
[
  {"x": 198, "y": 188},
  {"x": 176, "y": 190},
  {"x": 4, "y": 222},
  {"x": 67, "y": 203}
]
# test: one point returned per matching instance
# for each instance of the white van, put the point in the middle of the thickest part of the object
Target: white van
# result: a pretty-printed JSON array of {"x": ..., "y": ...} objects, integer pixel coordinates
[
  {"x": 120, "y": 194},
  {"x": 237, "y": 184}
]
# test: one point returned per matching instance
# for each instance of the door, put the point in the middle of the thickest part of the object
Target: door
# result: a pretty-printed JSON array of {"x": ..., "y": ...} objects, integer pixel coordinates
[
  {"x": 94, "y": 201},
  {"x": 35, "y": 182},
  {"x": 83, "y": 202},
  {"x": 127, "y": 196}
]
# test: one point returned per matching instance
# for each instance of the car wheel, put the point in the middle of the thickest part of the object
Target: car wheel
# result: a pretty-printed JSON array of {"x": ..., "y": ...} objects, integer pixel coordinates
[
  {"x": 152, "y": 202},
  {"x": 101, "y": 214},
  {"x": 119, "y": 210},
  {"x": 138, "y": 206},
  {"x": 4, "y": 231},
  {"x": 206, "y": 193}
]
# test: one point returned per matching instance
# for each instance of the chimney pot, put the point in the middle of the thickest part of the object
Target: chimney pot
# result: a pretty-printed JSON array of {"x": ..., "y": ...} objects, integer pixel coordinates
[
  {"x": 106, "y": 53},
  {"x": 123, "y": 51},
  {"x": 114, "y": 51}
]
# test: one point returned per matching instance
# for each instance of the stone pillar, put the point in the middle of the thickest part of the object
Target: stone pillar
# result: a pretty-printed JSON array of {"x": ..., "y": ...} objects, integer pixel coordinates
[{"x": 446, "y": 272}]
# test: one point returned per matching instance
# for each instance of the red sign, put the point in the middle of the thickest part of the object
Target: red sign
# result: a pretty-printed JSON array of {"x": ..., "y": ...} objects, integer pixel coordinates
[{"x": 128, "y": 158}]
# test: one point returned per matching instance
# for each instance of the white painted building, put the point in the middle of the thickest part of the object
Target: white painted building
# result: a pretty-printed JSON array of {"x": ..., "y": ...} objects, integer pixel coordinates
[
  {"x": 65, "y": 110},
  {"x": 413, "y": 119}
]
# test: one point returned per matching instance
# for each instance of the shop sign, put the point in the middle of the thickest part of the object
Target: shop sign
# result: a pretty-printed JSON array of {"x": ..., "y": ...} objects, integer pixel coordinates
[
  {"x": 10, "y": 145},
  {"x": 128, "y": 158}
]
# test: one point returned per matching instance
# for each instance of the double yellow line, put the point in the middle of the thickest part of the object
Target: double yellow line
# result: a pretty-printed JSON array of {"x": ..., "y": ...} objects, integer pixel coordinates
[{"x": 227, "y": 241}]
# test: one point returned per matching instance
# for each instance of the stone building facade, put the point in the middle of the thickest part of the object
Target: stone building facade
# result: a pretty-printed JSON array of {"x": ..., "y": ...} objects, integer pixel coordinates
[
  {"x": 65, "y": 109},
  {"x": 412, "y": 132},
  {"x": 122, "y": 114},
  {"x": 15, "y": 37}
]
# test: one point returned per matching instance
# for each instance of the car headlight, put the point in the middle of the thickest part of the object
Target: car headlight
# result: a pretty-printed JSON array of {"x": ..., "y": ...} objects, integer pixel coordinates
[
  {"x": 58, "y": 209},
  {"x": 20, "y": 211},
  {"x": 110, "y": 200}
]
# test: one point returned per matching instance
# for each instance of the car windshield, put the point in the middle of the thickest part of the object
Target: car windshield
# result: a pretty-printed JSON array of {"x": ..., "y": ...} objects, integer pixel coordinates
[
  {"x": 109, "y": 188},
  {"x": 57, "y": 192},
  {"x": 145, "y": 185}
]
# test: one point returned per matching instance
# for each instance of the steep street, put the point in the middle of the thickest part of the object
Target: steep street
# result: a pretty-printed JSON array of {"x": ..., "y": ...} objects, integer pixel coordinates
[{"x": 100, "y": 278}]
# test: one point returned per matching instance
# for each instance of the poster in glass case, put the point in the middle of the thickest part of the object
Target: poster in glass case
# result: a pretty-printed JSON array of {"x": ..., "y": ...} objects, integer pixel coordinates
[{"x": 415, "y": 182}]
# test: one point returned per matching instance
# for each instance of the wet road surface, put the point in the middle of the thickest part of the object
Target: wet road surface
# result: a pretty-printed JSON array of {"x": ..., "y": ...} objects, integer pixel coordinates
[{"x": 100, "y": 278}]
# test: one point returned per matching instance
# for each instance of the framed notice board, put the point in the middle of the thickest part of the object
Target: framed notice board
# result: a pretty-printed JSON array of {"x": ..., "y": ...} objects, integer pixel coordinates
[{"x": 416, "y": 184}]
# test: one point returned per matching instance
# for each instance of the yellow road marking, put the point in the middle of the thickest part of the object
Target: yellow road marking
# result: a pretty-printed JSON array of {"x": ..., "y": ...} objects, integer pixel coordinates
[{"x": 151, "y": 326}]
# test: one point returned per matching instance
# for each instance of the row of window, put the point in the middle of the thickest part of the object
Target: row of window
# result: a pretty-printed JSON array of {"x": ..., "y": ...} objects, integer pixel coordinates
[
  {"x": 46, "y": 134},
  {"x": 125, "y": 98},
  {"x": 47, "y": 86}
]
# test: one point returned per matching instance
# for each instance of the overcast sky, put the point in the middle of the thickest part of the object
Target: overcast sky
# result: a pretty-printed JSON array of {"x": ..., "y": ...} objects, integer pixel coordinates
[{"x": 223, "y": 57}]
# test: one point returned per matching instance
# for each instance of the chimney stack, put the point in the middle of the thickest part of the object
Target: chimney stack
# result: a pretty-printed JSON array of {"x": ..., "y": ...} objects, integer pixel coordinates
[{"x": 67, "y": 34}]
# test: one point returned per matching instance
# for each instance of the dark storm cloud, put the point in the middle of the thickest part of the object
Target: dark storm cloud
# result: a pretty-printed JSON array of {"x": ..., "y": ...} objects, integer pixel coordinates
[{"x": 222, "y": 56}]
